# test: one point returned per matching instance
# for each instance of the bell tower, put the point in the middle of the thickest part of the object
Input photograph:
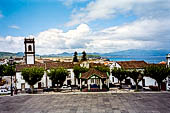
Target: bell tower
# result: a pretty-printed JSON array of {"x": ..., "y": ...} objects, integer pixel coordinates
[{"x": 29, "y": 50}]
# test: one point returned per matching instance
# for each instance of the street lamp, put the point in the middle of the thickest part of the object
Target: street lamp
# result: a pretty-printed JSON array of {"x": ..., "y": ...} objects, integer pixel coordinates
[{"x": 11, "y": 61}]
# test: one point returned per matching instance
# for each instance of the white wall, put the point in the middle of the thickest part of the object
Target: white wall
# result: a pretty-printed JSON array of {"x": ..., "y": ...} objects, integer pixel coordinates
[
  {"x": 71, "y": 78},
  {"x": 168, "y": 83},
  {"x": 149, "y": 82},
  {"x": 111, "y": 77},
  {"x": 30, "y": 59},
  {"x": 20, "y": 80}
]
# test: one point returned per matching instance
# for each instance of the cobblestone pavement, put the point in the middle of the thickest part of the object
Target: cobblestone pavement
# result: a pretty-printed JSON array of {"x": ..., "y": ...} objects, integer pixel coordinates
[{"x": 87, "y": 103}]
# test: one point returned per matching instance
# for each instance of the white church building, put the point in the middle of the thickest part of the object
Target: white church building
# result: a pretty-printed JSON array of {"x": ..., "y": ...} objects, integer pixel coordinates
[
  {"x": 30, "y": 62},
  {"x": 86, "y": 79}
]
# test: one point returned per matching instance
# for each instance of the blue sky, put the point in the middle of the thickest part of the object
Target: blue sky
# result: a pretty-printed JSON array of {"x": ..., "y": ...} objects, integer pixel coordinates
[
  {"x": 31, "y": 17},
  {"x": 91, "y": 25}
]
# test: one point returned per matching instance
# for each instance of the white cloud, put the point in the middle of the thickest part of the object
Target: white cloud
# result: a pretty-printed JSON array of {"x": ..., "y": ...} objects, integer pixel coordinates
[
  {"x": 70, "y": 2},
  {"x": 141, "y": 34},
  {"x": 54, "y": 39},
  {"x": 12, "y": 44},
  {"x": 103, "y": 9},
  {"x": 14, "y": 27}
]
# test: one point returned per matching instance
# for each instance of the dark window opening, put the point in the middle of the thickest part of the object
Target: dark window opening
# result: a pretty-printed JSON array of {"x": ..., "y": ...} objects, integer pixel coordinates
[{"x": 29, "y": 48}]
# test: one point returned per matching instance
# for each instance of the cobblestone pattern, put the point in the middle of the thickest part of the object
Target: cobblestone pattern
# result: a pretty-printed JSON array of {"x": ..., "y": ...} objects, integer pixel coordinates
[{"x": 87, "y": 103}]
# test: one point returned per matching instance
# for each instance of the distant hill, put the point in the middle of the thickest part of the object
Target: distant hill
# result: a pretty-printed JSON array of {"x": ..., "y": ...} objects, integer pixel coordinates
[
  {"x": 8, "y": 54},
  {"x": 21, "y": 54},
  {"x": 137, "y": 52},
  {"x": 131, "y": 52}
]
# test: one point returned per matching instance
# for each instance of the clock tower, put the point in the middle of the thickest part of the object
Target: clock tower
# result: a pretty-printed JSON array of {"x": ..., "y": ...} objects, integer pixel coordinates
[{"x": 29, "y": 50}]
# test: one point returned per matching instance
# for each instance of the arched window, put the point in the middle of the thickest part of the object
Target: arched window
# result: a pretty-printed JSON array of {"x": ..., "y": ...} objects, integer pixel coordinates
[{"x": 29, "y": 48}]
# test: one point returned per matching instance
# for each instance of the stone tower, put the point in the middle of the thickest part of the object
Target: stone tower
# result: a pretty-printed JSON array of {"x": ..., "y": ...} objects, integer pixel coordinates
[{"x": 29, "y": 50}]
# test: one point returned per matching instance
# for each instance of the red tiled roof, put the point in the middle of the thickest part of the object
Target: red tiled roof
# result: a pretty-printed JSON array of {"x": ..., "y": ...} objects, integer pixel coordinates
[
  {"x": 163, "y": 62},
  {"x": 91, "y": 72},
  {"x": 156, "y": 64},
  {"x": 18, "y": 58},
  {"x": 66, "y": 65},
  {"x": 132, "y": 64},
  {"x": 95, "y": 64},
  {"x": 2, "y": 60},
  {"x": 22, "y": 66}
]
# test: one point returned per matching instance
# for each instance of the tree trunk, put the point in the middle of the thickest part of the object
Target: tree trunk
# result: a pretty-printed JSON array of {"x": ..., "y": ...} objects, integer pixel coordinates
[
  {"x": 74, "y": 80},
  {"x": 159, "y": 85},
  {"x": 32, "y": 88},
  {"x": 120, "y": 84},
  {"x": 57, "y": 86},
  {"x": 136, "y": 86}
]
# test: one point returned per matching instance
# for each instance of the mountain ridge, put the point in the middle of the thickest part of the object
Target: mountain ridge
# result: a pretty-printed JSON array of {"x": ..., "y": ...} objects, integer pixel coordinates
[{"x": 130, "y": 52}]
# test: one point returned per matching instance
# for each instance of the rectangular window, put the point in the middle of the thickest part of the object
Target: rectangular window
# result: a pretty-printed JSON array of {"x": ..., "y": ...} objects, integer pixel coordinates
[
  {"x": 69, "y": 74},
  {"x": 22, "y": 86},
  {"x": 92, "y": 80}
]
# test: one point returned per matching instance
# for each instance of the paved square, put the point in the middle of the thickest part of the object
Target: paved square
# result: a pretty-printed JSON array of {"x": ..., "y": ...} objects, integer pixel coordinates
[{"x": 87, "y": 103}]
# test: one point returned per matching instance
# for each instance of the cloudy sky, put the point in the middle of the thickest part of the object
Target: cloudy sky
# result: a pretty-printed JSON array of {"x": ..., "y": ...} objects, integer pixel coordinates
[{"x": 90, "y": 25}]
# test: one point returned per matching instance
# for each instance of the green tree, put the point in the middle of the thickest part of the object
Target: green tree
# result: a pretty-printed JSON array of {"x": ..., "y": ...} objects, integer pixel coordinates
[
  {"x": 120, "y": 74},
  {"x": 103, "y": 69},
  {"x": 9, "y": 70},
  {"x": 84, "y": 56},
  {"x": 58, "y": 75},
  {"x": 1, "y": 72},
  {"x": 75, "y": 57},
  {"x": 157, "y": 72},
  {"x": 136, "y": 76},
  {"x": 6, "y": 70},
  {"x": 77, "y": 70},
  {"x": 32, "y": 75}
]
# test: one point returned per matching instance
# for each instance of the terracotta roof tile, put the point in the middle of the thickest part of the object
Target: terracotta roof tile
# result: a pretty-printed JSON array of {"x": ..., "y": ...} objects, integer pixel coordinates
[
  {"x": 156, "y": 64},
  {"x": 18, "y": 58},
  {"x": 95, "y": 64},
  {"x": 22, "y": 66},
  {"x": 66, "y": 65},
  {"x": 132, "y": 64},
  {"x": 163, "y": 62},
  {"x": 92, "y": 71}
]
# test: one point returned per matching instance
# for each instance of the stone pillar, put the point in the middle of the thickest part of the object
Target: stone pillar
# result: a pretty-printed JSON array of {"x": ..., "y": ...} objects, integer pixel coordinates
[
  {"x": 80, "y": 85},
  {"x": 110, "y": 76},
  {"x": 100, "y": 83},
  {"x": 108, "y": 83},
  {"x": 88, "y": 82}
]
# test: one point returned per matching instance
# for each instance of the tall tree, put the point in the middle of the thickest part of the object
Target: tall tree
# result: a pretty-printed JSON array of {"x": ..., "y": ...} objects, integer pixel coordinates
[
  {"x": 32, "y": 75},
  {"x": 58, "y": 75},
  {"x": 75, "y": 57},
  {"x": 137, "y": 76},
  {"x": 77, "y": 70},
  {"x": 84, "y": 56},
  {"x": 103, "y": 69},
  {"x": 1, "y": 72},
  {"x": 157, "y": 72},
  {"x": 120, "y": 74},
  {"x": 8, "y": 70}
]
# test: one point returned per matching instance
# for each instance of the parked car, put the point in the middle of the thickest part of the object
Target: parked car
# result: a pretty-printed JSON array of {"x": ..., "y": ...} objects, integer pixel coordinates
[
  {"x": 134, "y": 87},
  {"x": 94, "y": 86},
  {"x": 48, "y": 89},
  {"x": 65, "y": 87},
  {"x": 4, "y": 92},
  {"x": 29, "y": 90},
  {"x": 75, "y": 87}
]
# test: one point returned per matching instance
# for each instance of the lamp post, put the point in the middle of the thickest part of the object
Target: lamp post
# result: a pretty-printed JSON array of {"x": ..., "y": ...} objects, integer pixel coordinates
[{"x": 11, "y": 61}]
